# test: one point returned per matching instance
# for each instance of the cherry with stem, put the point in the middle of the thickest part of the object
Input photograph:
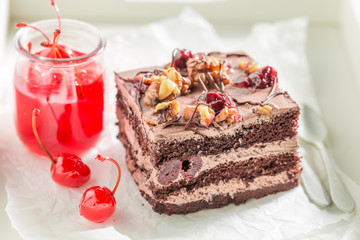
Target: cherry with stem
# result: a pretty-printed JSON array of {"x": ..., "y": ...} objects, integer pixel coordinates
[
  {"x": 56, "y": 51},
  {"x": 66, "y": 169},
  {"x": 98, "y": 203}
]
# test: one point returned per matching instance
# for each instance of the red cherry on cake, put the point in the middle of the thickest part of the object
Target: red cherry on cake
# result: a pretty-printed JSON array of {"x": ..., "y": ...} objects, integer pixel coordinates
[
  {"x": 98, "y": 203},
  {"x": 263, "y": 78},
  {"x": 66, "y": 169},
  {"x": 217, "y": 101},
  {"x": 180, "y": 59}
]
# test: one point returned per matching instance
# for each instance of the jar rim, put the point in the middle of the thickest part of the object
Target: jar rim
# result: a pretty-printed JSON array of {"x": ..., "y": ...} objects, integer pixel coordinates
[{"x": 98, "y": 49}]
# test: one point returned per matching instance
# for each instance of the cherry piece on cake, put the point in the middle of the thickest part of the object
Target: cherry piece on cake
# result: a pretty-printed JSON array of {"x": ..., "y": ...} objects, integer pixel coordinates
[
  {"x": 180, "y": 58},
  {"x": 263, "y": 78},
  {"x": 98, "y": 203},
  {"x": 66, "y": 169},
  {"x": 223, "y": 108}
]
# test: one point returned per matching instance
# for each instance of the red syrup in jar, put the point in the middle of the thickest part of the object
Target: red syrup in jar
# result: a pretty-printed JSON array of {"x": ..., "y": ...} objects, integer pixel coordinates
[
  {"x": 72, "y": 114},
  {"x": 64, "y": 84}
]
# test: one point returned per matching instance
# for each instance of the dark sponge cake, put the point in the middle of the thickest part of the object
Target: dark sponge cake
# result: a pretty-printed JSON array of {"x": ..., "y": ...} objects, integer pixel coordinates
[{"x": 240, "y": 144}]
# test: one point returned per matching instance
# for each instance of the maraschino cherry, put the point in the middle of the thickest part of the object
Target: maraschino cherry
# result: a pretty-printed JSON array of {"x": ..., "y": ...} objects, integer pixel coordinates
[
  {"x": 52, "y": 48},
  {"x": 263, "y": 78},
  {"x": 98, "y": 203},
  {"x": 66, "y": 169},
  {"x": 218, "y": 101},
  {"x": 180, "y": 58}
]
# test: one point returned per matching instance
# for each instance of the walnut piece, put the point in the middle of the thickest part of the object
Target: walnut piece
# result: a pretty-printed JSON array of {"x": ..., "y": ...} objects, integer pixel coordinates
[
  {"x": 207, "y": 69},
  {"x": 264, "y": 110},
  {"x": 152, "y": 94},
  {"x": 204, "y": 114},
  {"x": 248, "y": 66},
  {"x": 165, "y": 111},
  {"x": 165, "y": 85},
  {"x": 229, "y": 114}
]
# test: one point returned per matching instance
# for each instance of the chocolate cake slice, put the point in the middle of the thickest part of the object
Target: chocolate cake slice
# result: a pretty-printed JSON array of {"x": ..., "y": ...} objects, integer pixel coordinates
[{"x": 207, "y": 130}]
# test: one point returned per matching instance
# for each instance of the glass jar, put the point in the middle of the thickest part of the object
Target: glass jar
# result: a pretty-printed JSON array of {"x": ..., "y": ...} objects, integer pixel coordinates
[{"x": 68, "y": 91}]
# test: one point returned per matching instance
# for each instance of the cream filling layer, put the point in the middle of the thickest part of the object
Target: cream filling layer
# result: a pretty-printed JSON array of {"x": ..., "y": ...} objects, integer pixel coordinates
[
  {"x": 211, "y": 161},
  {"x": 230, "y": 188}
]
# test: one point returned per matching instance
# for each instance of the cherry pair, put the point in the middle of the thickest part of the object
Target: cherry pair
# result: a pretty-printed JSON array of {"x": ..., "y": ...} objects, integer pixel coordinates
[{"x": 97, "y": 203}]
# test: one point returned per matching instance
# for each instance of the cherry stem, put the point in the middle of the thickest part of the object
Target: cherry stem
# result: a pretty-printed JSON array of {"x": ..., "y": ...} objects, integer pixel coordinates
[
  {"x": 53, "y": 3},
  {"x": 33, "y": 27},
  {"x": 174, "y": 52},
  {"x": 56, "y": 34},
  {"x": 63, "y": 50},
  {"x": 35, "y": 115},
  {"x": 102, "y": 159}
]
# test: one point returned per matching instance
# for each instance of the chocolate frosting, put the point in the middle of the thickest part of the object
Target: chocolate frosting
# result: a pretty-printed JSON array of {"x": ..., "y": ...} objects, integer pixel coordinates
[{"x": 280, "y": 101}]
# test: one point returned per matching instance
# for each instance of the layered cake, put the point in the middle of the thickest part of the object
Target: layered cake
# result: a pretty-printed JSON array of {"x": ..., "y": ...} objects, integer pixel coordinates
[{"x": 207, "y": 130}]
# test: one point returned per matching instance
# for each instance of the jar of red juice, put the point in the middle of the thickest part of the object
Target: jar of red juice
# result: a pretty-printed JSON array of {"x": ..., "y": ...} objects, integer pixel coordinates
[{"x": 65, "y": 82}]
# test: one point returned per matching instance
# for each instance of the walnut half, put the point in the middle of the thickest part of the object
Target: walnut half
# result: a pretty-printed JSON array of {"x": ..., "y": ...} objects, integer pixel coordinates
[
  {"x": 165, "y": 85},
  {"x": 207, "y": 69}
]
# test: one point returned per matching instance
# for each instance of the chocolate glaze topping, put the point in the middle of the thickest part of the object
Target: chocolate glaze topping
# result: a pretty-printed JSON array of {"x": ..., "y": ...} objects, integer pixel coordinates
[{"x": 239, "y": 96}]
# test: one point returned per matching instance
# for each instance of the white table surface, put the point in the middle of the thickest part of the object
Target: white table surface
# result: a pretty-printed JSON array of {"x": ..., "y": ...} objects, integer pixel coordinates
[{"x": 332, "y": 75}]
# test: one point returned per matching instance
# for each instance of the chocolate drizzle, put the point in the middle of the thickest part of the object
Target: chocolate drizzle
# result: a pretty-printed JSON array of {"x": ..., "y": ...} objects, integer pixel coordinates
[
  {"x": 212, "y": 53},
  {"x": 222, "y": 85},
  {"x": 176, "y": 50},
  {"x": 146, "y": 74},
  {"x": 133, "y": 81},
  {"x": 236, "y": 55},
  {"x": 174, "y": 122},
  {"x": 187, "y": 125},
  {"x": 138, "y": 93},
  {"x": 270, "y": 96}
]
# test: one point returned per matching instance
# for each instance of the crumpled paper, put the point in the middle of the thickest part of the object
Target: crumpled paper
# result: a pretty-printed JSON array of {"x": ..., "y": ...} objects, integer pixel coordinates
[{"x": 40, "y": 209}]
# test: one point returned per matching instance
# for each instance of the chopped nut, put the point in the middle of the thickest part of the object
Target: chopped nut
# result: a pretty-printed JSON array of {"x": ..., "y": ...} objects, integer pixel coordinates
[
  {"x": 243, "y": 65},
  {"x": 167, "y": 87},
  {"x": 206, "y": 114},
  {"x": 149, "y": 79},
  {"x": 164, "y": 112},
  {"x": 230, "y": 120},
  {"x": 232, "y": 116},
  {"x": 252, "y": 68},
  {"x": 233, "y": 111},
  {"x": 151, "y": 95},
  {"x": 174, "y": 76},
  {"x": 207, "y": 68},
  {"x": 170, "y": 82},
  {"x": 182, "y": 83},
  {"x": 186, "y": 85},
  {"x": 161, "y": 106},
  {"x": 264, "y": 110},
  {"x": 222, "y": 115},
  {"x": 229, "y": 114},
  {"x": 174, "y": 108},
  {"x": 248, "y": 66},
  {"x": 152, "y": 120},
  {"x": 188, "y": 111}
]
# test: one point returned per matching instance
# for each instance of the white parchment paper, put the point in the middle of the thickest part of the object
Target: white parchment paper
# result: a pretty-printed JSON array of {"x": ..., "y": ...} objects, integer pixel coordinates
[{"x": 40, "y": 209}]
